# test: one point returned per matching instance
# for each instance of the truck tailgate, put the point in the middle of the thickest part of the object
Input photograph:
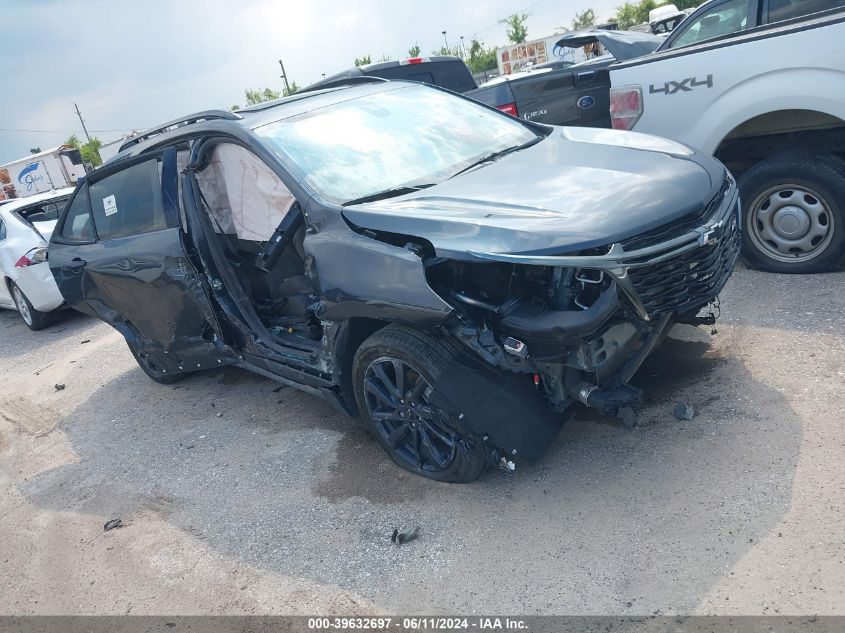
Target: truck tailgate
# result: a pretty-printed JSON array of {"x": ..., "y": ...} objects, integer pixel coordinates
[{"x": 557, "y": 98}]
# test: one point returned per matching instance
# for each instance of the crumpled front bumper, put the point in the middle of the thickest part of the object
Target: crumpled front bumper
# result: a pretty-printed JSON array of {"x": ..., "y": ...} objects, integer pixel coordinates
[{"x": 678, "y": 275}]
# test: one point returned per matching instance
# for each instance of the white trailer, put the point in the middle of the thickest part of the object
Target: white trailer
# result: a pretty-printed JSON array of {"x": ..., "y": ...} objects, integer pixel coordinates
[{"x": 54, "y": 169}]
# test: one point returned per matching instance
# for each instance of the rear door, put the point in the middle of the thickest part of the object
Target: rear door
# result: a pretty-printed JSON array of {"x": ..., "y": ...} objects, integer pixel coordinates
[{"x": 118, "y": 253}]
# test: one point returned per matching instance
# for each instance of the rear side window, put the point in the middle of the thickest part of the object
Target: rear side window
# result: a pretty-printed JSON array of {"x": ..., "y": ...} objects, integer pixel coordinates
[
  {"x": 128, "y": 202},
  {"x": 722, "y": 19},
  {"x": 786, "y": 9},
  {"x": 78, "y": 227},
  {"x": 2, "y": 230},
  {"x": 44, "y": 211}
]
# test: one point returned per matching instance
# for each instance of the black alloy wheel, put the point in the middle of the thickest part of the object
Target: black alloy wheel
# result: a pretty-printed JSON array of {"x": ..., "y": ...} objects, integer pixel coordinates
[
  {"x": 397, "y": 401},
  {"x": 395, "y": 374}
]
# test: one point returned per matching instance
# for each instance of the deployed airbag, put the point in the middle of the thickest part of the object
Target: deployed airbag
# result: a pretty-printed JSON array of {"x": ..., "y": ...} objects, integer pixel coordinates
[{"x": 244, "y": 196}]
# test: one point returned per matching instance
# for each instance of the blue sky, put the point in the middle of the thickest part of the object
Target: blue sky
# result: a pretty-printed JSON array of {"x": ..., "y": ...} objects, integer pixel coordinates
[{"x": 133, "y": 64}]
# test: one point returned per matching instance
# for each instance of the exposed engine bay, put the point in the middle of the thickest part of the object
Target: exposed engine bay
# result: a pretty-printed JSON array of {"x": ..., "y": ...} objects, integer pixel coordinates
[{"x": 567, "y": 328}]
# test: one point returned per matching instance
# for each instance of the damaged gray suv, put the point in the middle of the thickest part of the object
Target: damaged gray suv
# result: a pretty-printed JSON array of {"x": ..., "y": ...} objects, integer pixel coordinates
[{"x": 455, "y": 276}]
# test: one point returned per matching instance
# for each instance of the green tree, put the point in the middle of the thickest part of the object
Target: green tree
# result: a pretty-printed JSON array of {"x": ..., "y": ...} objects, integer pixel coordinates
[
  {"x": 626, "y": 16},
  {"x": 633, "y": 13},
  {"x": 448, "y": 51},
  {"x": 481, "y": 57},
  {"x": 516, "y": 29},
  {"x": 260, "y": 96},
  {"x": 363, "y": 61},
  {"x": 686, "y": 4},
  {"x": 89, "y": 151},
  {"x": 584, "y": 20},
  {"x": 642, "y": 10},
  {"x": 415, "y": 50}
]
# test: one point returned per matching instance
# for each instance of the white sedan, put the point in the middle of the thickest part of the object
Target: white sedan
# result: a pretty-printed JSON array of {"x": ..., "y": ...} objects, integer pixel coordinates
[{"x": 26, "y": 284}]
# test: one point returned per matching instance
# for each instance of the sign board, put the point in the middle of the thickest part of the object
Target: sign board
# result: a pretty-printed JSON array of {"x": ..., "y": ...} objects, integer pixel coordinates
[{"x": 516, "y": 57}]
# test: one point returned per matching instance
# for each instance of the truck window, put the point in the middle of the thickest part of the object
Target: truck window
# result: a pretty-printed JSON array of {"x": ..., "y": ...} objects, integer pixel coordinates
[
  {"x": 2, "y": 230},
  {"x": 722, "y": 19},
  {"x": 128, "y": 202},
  {"x": 786, "y": 9}
]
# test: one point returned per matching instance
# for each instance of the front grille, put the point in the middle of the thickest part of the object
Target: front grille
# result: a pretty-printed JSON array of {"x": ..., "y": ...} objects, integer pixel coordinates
[
  {"x": 679, "y": 227},
  {"x": 691, "y": 279}
]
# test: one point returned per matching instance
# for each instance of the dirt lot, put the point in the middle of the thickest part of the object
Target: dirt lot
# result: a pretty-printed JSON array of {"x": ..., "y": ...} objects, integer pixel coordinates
[{"x": 240, "y": 497}]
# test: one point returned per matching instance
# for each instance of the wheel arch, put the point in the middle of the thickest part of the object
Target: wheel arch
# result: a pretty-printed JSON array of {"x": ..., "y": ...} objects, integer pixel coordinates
[
  {"x": 780, "y": 131},
  {"x": 354, "y": 331},
  {"x": 762, "y": 95},
  {"x": 8, "y": 281}
]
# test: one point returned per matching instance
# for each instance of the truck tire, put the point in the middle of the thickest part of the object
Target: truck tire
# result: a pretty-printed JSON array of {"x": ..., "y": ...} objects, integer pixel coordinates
[
  {"x": 392, "y": 373},
  {"x": 34, "y": 319},
  {"x": 793, "y": 209}
]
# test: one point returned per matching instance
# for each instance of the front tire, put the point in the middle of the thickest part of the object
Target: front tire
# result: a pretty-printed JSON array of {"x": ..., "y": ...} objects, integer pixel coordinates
[
  {"x": 34, "y": 319},
  {"x": 394, "y": 373},
  {"x": 794, "y": 213}
]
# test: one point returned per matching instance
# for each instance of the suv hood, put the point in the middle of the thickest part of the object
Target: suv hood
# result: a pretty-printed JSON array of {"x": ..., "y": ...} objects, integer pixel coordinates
[
  {"x": 577, "y": 189},
  {"x": 622, "y": 45}
]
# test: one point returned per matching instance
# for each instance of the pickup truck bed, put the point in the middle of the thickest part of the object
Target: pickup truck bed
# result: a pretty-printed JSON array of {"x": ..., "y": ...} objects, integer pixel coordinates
[{"x": 575, "y": 95}]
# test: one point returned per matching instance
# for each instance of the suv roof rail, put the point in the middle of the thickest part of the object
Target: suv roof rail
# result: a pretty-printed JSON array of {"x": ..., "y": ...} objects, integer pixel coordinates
[
  {"x": 205, "y": 115},
  {"x": 344, "y": 81}
]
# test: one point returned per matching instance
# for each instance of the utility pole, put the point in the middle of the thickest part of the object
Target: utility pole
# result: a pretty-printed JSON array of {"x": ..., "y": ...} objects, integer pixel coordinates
[
  {"x": 463, "y": 48},
  {"x": 79, "y": 114},
  {"x": 445, "y": 40},
  {"x": 284, "y": 77}
]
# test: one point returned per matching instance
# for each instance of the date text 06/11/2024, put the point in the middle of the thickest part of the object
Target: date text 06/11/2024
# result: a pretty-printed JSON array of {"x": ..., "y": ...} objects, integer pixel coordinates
[{"x": 420, "y": 623}]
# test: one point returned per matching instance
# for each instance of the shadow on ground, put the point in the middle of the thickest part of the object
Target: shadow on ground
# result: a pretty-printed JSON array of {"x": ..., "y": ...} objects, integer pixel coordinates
[
  {"x": 17, "y": 340},
  {"x": 610, "y": 521}
]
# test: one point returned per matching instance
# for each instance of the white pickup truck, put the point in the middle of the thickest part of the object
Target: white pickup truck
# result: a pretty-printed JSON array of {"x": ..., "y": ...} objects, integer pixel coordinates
[{"x": 761, "y": 85}]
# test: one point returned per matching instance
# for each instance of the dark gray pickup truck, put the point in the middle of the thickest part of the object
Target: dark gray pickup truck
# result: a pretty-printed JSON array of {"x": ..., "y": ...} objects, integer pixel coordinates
[{"x": 567, "y": 95}]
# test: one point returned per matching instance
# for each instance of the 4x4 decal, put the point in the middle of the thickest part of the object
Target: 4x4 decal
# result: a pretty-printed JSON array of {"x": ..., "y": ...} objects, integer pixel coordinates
[{"x": 685, "y": 85}]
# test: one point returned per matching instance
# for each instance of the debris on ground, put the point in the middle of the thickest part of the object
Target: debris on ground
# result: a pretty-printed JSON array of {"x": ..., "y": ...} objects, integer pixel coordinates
[
  {"x": 113, "y": 524},
  {"x": 59, "y": 386},
  {"x": 400, "y": 538},
  {"x": 43, "y": 368},
  {"x": 87, "y": 340},
  {"x": 683, "y": 411},
  {"x": 507, "y": 465}
]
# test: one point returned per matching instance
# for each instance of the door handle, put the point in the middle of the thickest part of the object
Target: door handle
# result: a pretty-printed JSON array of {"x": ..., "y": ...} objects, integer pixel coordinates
[
  {"x": 587, "y": 75},
  {"x": 77, "y": 262}
]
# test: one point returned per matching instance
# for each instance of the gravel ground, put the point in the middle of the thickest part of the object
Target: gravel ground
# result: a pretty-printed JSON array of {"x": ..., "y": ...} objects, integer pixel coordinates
[{"x": 240, "y": 497}]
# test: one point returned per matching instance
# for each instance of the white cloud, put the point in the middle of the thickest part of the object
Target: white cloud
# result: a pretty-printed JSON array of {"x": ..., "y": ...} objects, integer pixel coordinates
[{"x": 136, "y": 63}]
